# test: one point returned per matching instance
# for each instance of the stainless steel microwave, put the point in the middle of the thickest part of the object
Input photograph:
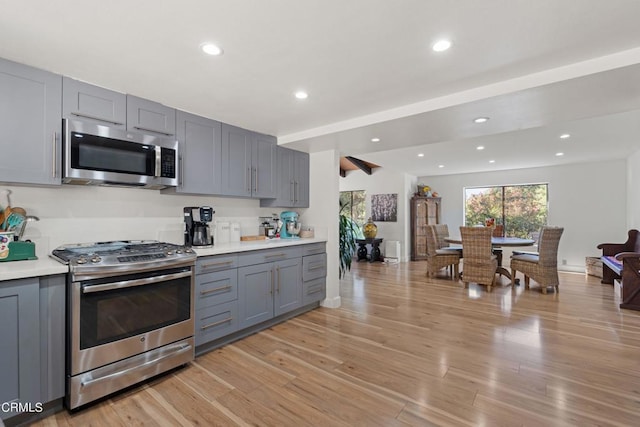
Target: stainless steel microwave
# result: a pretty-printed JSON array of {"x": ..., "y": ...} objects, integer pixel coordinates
[{"x": 100, "y": 155}]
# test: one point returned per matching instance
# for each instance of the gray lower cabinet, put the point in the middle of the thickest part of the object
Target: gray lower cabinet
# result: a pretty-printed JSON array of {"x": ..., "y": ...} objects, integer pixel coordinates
[
  {"x": 269, "y": 289},
  {"x": 249, "y": 165},
  {"x": 145, "y": 116},
  {"x": 30, "y": 124},
  {"x": 292, "y": 180},
  {"x": 200, "y": 155},
  {"x": 94, "y": 104},
  {"x": 314, "y": 273},
  {"x": 216, "y": 298},
  {"x": 32, "y": 331}
]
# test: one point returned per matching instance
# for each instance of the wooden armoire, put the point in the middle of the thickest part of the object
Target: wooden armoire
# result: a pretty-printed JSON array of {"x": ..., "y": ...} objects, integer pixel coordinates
[{"x": 424, "y": 211}]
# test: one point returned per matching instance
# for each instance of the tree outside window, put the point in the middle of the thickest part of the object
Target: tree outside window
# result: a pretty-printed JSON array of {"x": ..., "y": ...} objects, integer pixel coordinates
[
  {"x": 352, "y": 204},
  {"x": 522, "y": 209}
]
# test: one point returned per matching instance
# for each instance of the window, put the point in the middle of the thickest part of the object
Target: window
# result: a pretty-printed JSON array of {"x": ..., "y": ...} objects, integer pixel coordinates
[
  {"x": 522, "y": 209},
  {"x": 353, "y": 202}
]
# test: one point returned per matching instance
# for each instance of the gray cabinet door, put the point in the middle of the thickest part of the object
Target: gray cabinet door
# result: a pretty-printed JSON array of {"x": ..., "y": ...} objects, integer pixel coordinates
[
  {"x": 52, "y": 337},
  {"x": 30, "y": 124},
  {"x": 288, "y": 286},
  {"x": 301, "y": 179},
  {"x": 20, "y": 337},
  {"x": 264, "y": 165},
  {"x": 255, "y": 294},
  {"x": 201, "y": 154},
  {"x": 237, "y": 174},
  {"x": 144, "y": 116},
  {"x": 86, "y": 102}
]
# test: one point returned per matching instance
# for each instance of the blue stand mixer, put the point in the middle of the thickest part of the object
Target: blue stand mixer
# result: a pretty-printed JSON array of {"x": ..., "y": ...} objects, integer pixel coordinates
[{"x": 290, "y": 225}]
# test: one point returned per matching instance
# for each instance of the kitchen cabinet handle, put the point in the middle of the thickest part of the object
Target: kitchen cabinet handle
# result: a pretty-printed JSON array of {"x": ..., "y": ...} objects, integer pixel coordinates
[
  {"x": 278, "y": 272},
  {"x": 87, "y": 289},
  {"x": 316, "y": 267},
  {"x": 152, "y": 130},
  {"x": 181, "y": 183},
  {"x": 248, "y": 180},
  {"x": 272, "y": 280},
  {"x": 281, "y": 254},
  {"x": 216, "y": 264},
  {"x": 88, "y": 116},
  {"x": 291, "y": 190},
  {"x": 295, "y": 191},
  {"x": 54, "y": 168},
  {"x": 210, "y": 291},
  {"x": 255, "y": 176},
  {"x": 219, "y": 322}
]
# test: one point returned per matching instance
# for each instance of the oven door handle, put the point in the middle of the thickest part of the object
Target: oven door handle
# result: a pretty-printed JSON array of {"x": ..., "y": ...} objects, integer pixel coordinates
[
  {"x": 175, "y": 351},
  {"x": 86, "y": 289}
]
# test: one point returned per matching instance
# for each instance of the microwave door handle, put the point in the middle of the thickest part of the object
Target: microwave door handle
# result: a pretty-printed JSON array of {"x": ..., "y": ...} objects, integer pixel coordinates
[
  {"x": 87, "y": 289},
  {"x": 158, "y": 150}
]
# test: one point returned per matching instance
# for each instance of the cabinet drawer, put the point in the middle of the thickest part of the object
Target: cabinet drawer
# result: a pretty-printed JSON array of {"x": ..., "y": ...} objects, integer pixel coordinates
[
  {"x": 216, "y": 288},
  {"x": 314, "y": 266},
  {"x": 313, "y": 248},
  {"x": 216, "y": 263},
  {"x": 215, "y": 322},
  {"x": 268, "y": 255},
  {"x": 314, "y": 291}
]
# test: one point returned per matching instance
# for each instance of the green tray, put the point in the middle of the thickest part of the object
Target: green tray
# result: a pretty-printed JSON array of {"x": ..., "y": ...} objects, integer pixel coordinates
[{"x": 19, "y": 251}]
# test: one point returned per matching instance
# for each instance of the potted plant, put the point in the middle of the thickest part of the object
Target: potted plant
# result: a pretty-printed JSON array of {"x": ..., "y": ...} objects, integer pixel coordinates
[{"x": 349, "y": 232}]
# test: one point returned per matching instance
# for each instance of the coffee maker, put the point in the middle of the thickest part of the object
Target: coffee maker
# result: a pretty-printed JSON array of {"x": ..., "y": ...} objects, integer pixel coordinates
[
  {"x": 290, "y": 225},
  {"x": 197, "y": 233}
]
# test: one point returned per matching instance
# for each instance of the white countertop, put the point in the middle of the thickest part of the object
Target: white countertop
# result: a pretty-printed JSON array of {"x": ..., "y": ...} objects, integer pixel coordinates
[
  {"x": 254, "y": 245},
  {"x": 46, "y": 266}
]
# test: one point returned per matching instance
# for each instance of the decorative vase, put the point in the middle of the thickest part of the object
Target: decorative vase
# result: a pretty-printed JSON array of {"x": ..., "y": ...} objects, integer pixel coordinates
[{"x": 369, "y": 229}]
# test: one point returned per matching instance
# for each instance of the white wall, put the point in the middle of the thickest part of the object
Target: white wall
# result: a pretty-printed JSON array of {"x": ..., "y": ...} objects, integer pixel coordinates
[
  {"x": 633, "y": 191},
  {"x": 589, "y": 200},
  {"x": 74, "y": 214},
  {"x": 323, "y": 212},
  {"x": 383, "y": 181}
]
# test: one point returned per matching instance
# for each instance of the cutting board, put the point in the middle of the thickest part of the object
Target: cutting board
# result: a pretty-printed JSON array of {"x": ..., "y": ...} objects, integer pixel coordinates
[{"x": 249, "y": 238}]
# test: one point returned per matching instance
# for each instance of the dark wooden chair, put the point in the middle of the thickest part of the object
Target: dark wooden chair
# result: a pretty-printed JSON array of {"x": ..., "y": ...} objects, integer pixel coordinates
[
  {"x": 610, "y": 250},
  {"x": 630, "y": 281}
]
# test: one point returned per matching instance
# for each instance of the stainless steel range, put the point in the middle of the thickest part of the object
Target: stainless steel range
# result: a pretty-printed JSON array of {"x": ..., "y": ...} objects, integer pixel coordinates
[{"x": 130, "y": 314}]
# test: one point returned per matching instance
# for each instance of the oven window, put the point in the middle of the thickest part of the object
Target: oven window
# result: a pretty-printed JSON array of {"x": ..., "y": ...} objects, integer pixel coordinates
[{"x": 117, "y": 314}]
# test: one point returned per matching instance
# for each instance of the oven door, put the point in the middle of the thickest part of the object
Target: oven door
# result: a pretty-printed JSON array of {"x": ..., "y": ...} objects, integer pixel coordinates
[{"x": 118, "y": 317}]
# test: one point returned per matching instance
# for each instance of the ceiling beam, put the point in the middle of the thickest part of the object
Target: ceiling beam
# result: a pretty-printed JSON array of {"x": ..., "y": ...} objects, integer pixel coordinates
[{"x": 360, "y": 164}]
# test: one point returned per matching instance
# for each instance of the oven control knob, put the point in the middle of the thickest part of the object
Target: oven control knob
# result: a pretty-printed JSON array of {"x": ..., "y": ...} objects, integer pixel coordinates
[
  {"x": 169, "y": 252},
  {"x": 189, "y": 250},
  {"x": 81, "y": 260},
  {"x": 96, "y": 259},
  {"x": 178, "y": 251}
]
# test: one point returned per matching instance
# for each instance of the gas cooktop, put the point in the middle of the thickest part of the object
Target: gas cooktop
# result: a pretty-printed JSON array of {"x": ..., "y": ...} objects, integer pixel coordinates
[{"x": 121, "y": 252}]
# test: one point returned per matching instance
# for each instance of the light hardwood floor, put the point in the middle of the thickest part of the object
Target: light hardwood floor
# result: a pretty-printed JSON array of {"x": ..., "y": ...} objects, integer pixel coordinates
[{"x": 406, "y": 350}]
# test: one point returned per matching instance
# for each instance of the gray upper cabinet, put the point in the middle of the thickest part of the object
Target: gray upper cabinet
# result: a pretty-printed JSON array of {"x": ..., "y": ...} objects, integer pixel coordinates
[
  {"x": 86, "y": 102},
  {"x": 30, "y": 124},
  {"x": 201, "y": 154},
  {"x": 292, "y": 188},
  {"x": 144, "y": 116},
  {"x": 249, "y": 164}
]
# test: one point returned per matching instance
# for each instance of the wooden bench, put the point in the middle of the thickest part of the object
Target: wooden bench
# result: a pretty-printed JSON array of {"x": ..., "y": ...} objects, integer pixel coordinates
[{"x": 610, "y": 268}]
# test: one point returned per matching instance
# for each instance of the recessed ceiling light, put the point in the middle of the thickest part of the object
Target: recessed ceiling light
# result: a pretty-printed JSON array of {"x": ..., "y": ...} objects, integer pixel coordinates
[
  {"x": 441, "y": 45},
  {"x": 565, "y": 136},
  {"x": 480, "y": 147},
  {"x": 440, "y": 166},
  {"x": 559, "y": 154},
  {"x": 211, "y": 49},
  {"x": 375, "y": 139},
  {"x": 481, "y": 119},
  {"x": 301, "y": 94},
  {"x": 421, "y": 155},
  {"x": 492, "y": 161}
]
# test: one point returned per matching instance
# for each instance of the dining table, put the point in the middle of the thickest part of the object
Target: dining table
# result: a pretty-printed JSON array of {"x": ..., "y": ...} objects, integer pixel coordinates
[{"x": 496, "y": 244}]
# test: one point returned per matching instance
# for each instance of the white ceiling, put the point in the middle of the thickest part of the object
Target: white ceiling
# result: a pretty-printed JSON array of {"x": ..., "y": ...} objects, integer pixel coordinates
[{"x": 536, "y": 68}]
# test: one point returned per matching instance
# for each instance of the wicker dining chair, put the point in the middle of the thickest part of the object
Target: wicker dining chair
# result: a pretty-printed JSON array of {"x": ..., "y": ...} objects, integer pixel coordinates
[
  {"x": 480, "y": 264},
  {"x": 437, "y": 259},
  {"x": 543, "y": 266},
  {"x": 442, "y": 232}
]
